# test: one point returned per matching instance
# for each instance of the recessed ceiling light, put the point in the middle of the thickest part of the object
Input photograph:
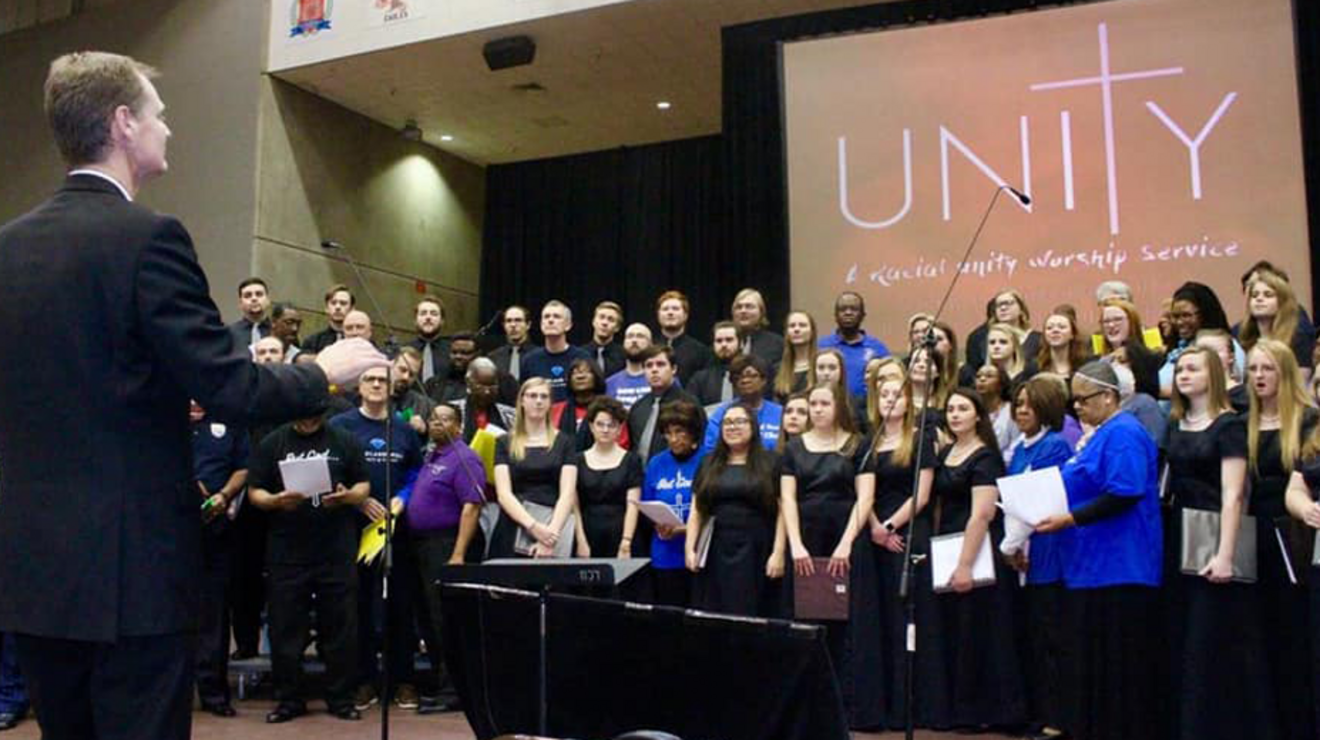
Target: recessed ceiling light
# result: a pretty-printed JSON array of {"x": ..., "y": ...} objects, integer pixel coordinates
[
  {"x": 446, "y": 137},
  {"x": 663, "y": 105}
]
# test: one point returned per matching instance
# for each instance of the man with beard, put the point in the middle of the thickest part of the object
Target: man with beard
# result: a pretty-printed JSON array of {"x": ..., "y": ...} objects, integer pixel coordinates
[
  {"x": 671, "y": 313},
  {"x": 604, "y": 351},
  {"x": 517, "y": 335},
  {"x": 253, "y": 300},
  {"x": 629, "y": 384},
  {"x": 430, "y": 321},
  {"x": 410, "y": 403},
  {"x": 712, "y": 385}
]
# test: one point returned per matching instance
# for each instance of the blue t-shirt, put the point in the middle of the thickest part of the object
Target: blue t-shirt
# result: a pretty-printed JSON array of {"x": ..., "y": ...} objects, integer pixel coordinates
[
  {"x": 670, "y": 481},
  {"x": 627, "y": 389},
  {"x": 218, "y": 450},
  {"x": 1124, "y": 549},
  {"x": 406, "y": 457},
  {"x": 553, "y": 367},
  {"x": 768, "y": 418},
  {"x": 855, "y": 357},
  {"x": 1048, "y": 551}
]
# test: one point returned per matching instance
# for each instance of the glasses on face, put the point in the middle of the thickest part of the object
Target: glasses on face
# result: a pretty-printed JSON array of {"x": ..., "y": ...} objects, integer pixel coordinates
[
  {"x": 1079, "y": 400},
  {"x": 737, "y": 422},
  {"x": 605, "y": 425},
  {"x": 1113, "y": 321}
]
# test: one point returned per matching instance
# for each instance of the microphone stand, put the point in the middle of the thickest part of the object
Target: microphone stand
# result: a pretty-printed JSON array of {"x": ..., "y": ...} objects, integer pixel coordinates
[
  {"x": 910, "y": 560},
  {"x": 387, "y": 554}
]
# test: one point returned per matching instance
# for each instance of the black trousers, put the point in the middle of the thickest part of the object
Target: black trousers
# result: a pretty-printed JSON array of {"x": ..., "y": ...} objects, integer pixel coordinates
[
  {"x": 294, "y": 591},
  {"x": 213, "y": 635},
  {"x": 247, "y": 591},
  {"x": 403, "y": 608},
  {"x": 432, "y": 551},
  {"x": 136, "y": 687}
]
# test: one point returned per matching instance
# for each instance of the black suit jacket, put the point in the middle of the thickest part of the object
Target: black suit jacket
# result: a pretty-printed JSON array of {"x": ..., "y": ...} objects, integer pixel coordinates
[
  {"x": 320, "y": 340},
  {"x": 639, "y": 412},
  {"x": 108, "y": 310},
  {"x": 708, "y": 384}
]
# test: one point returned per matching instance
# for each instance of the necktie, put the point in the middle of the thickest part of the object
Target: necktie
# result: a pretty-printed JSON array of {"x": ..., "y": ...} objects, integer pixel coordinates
[
  {"x": 600, "y": 358},
  {"x": 256, "y": 333},
  {"x": 747, "y": 345},
  {"x": 515, "y": 365},
  {"x": 648, "y": 432},
  {"x": 726, "y": 388},
  {"x": 428, "y": 362}
]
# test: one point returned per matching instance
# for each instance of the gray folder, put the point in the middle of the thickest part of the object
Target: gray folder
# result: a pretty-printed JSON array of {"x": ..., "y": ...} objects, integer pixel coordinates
[
  {"x": 1200, "y": 542},
  {"x": 525, "y": 542}
]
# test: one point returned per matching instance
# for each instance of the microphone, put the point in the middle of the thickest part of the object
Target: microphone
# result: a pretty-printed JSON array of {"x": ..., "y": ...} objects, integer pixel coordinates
[
  {"x": 335, "y": 246},
  {"x": 1022, "y": 197},
  {"x": 391, "y": 343}
]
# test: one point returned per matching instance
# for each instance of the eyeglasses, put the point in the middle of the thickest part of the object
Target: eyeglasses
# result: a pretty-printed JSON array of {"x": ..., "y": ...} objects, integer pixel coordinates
[
  {"x": 1079, "y": 400},
  {"x": 1113, "y": 320},
  {"x": 737, "y": 422}
]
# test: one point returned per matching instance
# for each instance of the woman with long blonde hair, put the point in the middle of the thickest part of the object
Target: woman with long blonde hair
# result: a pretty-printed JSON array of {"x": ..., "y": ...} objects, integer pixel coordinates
[
  {"x": 535, "y": 478},
  {"x": 1280, "y": 418},
  {"x": 797, "y": 368},
  {"x": 1273, "y": 312},
  {"x": 1220, "y": 680}
]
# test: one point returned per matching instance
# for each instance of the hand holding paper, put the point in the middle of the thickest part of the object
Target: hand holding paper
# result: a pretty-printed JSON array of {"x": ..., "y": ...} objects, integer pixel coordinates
[{"x": 1034, "y": 496}]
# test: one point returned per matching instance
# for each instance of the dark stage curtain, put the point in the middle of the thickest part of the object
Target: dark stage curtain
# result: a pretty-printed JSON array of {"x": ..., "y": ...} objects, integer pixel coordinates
[{"x": 709, "y": 216}]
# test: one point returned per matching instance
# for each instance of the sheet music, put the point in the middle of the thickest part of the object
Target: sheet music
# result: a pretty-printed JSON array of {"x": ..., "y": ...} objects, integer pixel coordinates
[
  {"x": 945, "y": 551},
  {"x": 1034, "y": 496}
]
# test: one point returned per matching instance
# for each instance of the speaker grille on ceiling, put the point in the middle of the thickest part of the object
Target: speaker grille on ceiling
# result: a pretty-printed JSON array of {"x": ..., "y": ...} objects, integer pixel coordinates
[{"x": 513, "y": 51}]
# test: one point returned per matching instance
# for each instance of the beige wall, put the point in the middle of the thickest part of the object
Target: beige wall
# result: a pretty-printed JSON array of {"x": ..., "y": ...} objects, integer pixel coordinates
[
  {"x": 260, "y": 172},
  {"x": 210, "y": 54},
  {"x": 407, "y": 211}
]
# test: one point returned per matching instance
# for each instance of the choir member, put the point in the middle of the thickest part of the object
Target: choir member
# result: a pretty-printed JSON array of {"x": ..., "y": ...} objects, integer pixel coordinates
[
  {"x": 609, "y": 485},
  {"x": 1108, "y": 688},
  {"x": 736, "y": 493},
  {"x": 1219, "y": 682},
  {"x": 533, "y": 464},
  {"x": 1122, "y": 341},
  {"x": 1279, "y": 421},
  {"x": 797, "y": 368}
]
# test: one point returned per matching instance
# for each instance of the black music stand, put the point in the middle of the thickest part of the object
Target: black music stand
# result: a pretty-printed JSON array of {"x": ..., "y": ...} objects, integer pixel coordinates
[{"x": 542, "y": 574}]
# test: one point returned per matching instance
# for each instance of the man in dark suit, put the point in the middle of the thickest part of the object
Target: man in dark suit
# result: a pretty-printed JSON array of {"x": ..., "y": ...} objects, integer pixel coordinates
[
  {"x": 100, "y": 527},
  {"x": 253, "y": 301},
  {"x": 339, "y": 300},
  {"x": 712, "y": 384},
  {"x": 647, "y": 437}
]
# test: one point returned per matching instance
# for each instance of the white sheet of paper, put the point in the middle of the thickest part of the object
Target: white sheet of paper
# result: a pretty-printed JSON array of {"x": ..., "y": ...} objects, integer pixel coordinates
[
  {"x": 309, "y": 477},
  {"x": 944, "y": 553},
  {"x": 660, "y": 513},
  {"x": 1034, "y": 496}
]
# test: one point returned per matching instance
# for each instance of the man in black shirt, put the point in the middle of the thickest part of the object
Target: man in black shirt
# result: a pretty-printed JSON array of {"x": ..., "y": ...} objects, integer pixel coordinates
[
  {"x": 310, "y": 551},
  {"x": 647, "y": 438},
  {"x": 339, "y": 301},
  {"x": 604, "y": 351},
  {"x": 450, "y": 386},
  {"x": 749, "y": 315},
  {"x": 672, "y": 310},
  {"x": 712, "y": 385},
  {"x": 553, "y": 360}
]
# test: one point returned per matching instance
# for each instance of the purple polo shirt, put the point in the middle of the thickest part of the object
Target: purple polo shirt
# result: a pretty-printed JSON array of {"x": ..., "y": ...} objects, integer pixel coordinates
[{"x": 448, "y": 479}]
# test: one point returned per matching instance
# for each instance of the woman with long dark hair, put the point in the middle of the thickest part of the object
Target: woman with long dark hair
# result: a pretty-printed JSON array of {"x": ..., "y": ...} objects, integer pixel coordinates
[
  {"x": 585, "y": 384},
  {"x": 736, "y": 492},
  {"x": 825, "y": 496},
  {"x": 971, "y": 677},
  {"x": 1063, "y": 349},
  {"x": 1194, "y": 307}
]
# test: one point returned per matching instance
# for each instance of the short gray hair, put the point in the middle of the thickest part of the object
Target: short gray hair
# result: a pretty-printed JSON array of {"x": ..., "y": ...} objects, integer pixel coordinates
[{"x": 480, "y": 363}]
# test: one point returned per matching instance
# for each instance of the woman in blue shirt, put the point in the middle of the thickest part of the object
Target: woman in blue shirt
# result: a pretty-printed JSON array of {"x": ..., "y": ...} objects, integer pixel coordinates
[
  {"x": 669, "y": 477},
  {"x": 1038, "y": 410},
  {"x": 1111, "y": 572}
]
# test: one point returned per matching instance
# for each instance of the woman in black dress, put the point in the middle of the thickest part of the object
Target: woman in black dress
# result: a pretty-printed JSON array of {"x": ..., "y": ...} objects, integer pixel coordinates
[
  {"x": 797, "y": 368},
  {"x": 892, "y": 458},
  {"x": 736, "y": 494},
  {"x": 1218, "y": 679},
  {"x": 1279, "y": 421},
  {"x": 533, "y": 466},
  {"x": 609, "y": 485},
  {"x": 1303, "y": 500},
  {"x": 972, "y": 676},
  {"x": 826, "y": 497}
]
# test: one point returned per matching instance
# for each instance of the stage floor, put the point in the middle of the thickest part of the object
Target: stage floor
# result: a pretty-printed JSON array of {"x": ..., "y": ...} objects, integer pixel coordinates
[{"x": 250, "y": 725}]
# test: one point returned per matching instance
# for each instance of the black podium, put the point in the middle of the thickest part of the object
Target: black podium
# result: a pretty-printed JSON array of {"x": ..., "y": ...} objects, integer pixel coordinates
[{"x": 609, "y": 666}]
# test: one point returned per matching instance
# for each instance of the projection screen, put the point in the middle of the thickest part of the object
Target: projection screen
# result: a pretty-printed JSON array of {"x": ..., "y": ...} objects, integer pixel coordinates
[{"x": 1159, "y": 141}]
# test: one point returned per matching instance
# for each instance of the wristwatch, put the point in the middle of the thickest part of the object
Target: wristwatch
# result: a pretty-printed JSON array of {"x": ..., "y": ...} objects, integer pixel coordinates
[{"x": 889, "y": 527}]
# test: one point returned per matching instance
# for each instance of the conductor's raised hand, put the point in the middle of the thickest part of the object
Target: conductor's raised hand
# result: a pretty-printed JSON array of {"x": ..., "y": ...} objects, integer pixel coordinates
[{"x": 344, "y": 361}]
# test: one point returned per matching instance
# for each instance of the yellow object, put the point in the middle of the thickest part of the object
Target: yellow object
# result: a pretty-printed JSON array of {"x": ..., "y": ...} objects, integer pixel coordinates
[
  {"x": 1152, "y": 338},
  {"x": 372, "y": 542},
  {"x": 483, "y": 443}
]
